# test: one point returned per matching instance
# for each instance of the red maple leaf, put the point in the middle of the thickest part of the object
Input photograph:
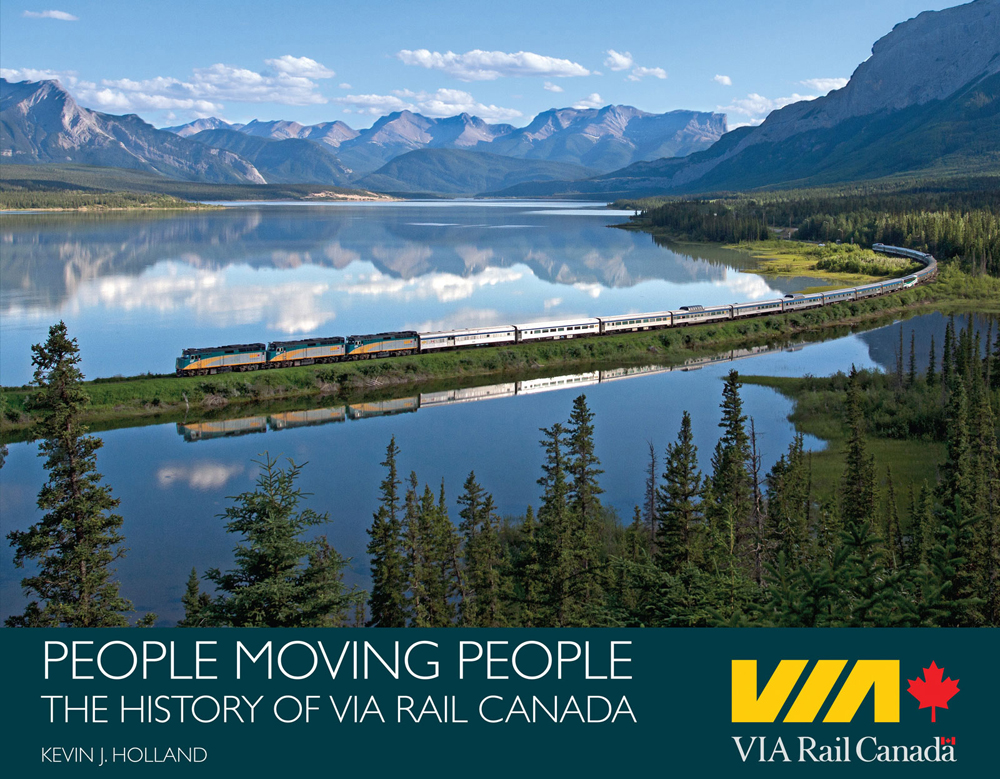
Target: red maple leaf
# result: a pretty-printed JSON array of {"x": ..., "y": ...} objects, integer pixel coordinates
[{"x": 931, "y": 691}]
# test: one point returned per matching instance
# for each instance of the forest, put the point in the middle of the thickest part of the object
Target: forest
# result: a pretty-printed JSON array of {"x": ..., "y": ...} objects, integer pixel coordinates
[
  {"x": 733, "y": 546},
  {"x": 963, "y": 227}
]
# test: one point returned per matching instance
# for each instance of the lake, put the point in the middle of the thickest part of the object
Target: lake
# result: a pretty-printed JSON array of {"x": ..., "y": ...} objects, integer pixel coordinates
[{"x": 136, "y": 289}]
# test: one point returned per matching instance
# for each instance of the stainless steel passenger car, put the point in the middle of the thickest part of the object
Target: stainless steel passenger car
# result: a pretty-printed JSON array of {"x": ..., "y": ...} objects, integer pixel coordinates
[
  {"x": 694, "y": 315},
  {"x": 631, "y": 323},
  {"x": 799, "y": 302},
  {"x": 476, "y": 336},
  {"x": 566, "y": 328},
  {"x": 757, "y": 308}
]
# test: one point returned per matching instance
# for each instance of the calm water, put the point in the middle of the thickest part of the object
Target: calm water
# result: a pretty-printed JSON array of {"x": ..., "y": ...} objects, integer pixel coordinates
[
  {"x": 136, "y": 289},
  {"x": 173, "y": 480},
  {"x": 149, "y": 285}
]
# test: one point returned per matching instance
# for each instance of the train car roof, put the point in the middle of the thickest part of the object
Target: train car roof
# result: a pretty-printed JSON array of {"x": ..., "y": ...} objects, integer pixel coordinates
[
  {"x": 234, "y": 347},
  {"x": 399, "y": 334},
  {"x": 756, "y": 303},
  {"x": 470, "y": 330},
  {"x": 699, "y": 309},
  {"x": 335, "y": 339},
  {"x": 557, "y": 323},
  {"x": 635, "y": 316}
]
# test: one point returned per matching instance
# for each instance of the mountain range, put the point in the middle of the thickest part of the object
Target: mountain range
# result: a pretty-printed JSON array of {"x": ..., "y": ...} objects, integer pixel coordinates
[
  {"x": 40, "y": 122},
  {"x": 407, "y": 152},
  {"x": 927, "y": 101},
  {"x": 602, "y": 139}
]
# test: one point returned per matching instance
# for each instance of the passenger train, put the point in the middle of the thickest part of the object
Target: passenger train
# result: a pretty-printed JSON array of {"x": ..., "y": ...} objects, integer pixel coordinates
[{"x": 309, "y": 351}]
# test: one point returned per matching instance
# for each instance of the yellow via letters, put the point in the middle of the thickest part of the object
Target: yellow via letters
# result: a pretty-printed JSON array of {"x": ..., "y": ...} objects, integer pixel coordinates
[{"x": 883, "y": 675}]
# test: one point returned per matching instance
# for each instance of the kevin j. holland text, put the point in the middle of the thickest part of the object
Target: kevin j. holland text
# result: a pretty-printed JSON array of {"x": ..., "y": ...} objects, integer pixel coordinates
[
  {"x": 101, "y": 755},
  {"x": 866, "y": 749}
]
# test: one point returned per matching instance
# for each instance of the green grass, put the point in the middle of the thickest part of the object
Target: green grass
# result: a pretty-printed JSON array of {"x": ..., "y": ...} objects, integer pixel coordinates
[
  {"x": 820, "y": 412},
  {"x": 845, "y": 264}
]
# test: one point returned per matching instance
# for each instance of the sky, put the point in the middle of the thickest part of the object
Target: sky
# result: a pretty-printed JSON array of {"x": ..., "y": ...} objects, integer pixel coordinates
[{"x": 172, "y": 61}]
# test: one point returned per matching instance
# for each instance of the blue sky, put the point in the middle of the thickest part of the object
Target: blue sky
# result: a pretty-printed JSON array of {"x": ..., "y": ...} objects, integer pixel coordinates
[{"x": 172, "y": 61}]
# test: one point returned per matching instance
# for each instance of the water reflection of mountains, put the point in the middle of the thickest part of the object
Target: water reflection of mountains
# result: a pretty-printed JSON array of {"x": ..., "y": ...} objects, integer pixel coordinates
[
  {"x": 286, "y": 420},
  {"x": 46, "y": 258}
]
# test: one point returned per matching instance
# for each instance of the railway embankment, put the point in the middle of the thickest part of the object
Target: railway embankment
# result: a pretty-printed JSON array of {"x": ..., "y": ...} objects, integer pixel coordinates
[{"x": 124, "y": 401}]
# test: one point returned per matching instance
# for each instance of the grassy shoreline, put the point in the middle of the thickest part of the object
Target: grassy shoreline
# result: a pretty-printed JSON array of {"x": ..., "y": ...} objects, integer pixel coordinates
[
  {"x": 914, "y": 462},
  {"x": 156, "y": 398}
]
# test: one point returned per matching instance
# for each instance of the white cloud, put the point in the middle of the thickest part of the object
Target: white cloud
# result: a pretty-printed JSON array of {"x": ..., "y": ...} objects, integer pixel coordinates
[
  {"x": 343, "y": 85},
  {"x": 638, "y": 74},
  {"x": 286, "y": 80},
  {"x": 552, "y": 87},
  {"x": 755, "y": 108},
  {"x": 65, "y": 77},
  {"x": 824, "y": 85},
  {"x": 478, "y": 65},
  {"x": 445, "y": 287},
  {"x": 589, "y": 288},
  {"x": 204, "y": 475},
  {"x": 724, "y": 80},
  {"x": 376, "y": 105},
  {"x": 618, "y": 61},
  {"x": 443, "y": 102},
  {"x": 211, "y": 296},
  {"x": 593, "y": 100},
  {"x": 299, "y": 67},
  {"x": 60, "y": 15}
]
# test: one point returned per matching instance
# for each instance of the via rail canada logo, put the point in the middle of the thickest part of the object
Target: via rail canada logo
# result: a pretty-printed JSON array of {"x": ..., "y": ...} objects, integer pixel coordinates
[{"x": 880, "y": 678}]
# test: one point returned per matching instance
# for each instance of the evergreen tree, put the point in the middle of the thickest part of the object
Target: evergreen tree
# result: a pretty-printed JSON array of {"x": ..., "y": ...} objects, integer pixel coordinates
[
  {"x": 387, "y": 605},
  {"x": 911, "y": 376},
  {"x": 932, "y": 366},
  {"x": 650, "y": 504},
  {"x": 891, "y": 530},
  {"x": 729, "y": 494},
  {"x": 956, "y": 481},
  {"x": 952, "y": 572},
  {"x": 859, "y": 487},
  {"x": 280, "y": 579},
  {"x": 788, "y": 501},
  {"x": 195, "y": 604},
  {"x": 582, "y": 466},
  {"x": 77, "y": 540},
  {"x": 678, "y": 501},
  {"x": 556, "y": 533}
]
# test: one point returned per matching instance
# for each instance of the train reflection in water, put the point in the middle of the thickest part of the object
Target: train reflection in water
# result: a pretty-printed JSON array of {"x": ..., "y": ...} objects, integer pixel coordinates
[{"x": 284, "y": 420}]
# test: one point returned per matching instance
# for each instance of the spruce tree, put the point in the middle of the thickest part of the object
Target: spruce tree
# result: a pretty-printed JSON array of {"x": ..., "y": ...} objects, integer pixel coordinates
[
  {"x": 651, "y": 500},
  {"x": 387, "y": 604},
  {"x": 911, "y": 376},
  {"x": 932, "y": 366},
  {"x": 77, "y": 540},
  {"x": 729, "y": 494},
  {"x": 678, "y": 501},
  {"x": 890, "y": 529},
  {"x": 859, "y": 484},
  {"x": 195, "y": 604},
  {"x": 556, "y": 532},
  {"x": 788, "y": 502},
  {"x": 582, "y": 464},
  {"x": 280, "y": 579},
  {"x": 956, "y": 473}
]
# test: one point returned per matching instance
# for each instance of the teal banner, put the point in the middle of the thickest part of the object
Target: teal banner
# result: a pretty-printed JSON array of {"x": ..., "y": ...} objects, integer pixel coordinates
[{"x": 747, "y": 702}]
